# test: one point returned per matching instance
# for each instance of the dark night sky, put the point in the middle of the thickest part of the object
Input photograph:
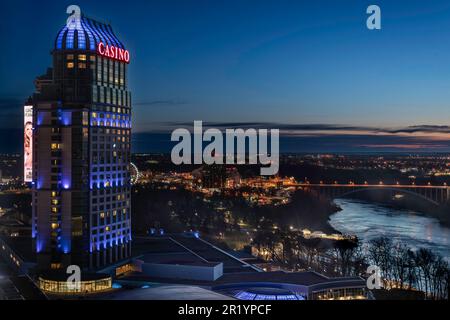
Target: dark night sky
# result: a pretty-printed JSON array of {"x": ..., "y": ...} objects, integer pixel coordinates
[{"x": 311, "y": 68}]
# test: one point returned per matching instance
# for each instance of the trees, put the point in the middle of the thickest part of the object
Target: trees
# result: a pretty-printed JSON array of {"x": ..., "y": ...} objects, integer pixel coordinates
[
  {"x": 268, "y": 245},
  {"x": 350, "y": 259},
  {"x": 439, "y": 278},
  {"x": 344, "y": 250},
  {"x": 401, "y": 264},
  {"x": 404, "y": 268},
  {"x": 380, "y": 253},
  {"x": 411, "y": 273},
  {"x": 308, "y": 253},
  {"x": 425, "y": 259}
]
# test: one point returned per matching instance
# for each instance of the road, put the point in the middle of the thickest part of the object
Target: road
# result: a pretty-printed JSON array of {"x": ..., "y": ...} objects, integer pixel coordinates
[{"x": 8, "y": 290}]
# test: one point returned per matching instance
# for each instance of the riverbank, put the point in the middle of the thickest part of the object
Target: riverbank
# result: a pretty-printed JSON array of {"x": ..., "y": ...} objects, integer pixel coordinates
[{"x": 369, "y": 221}]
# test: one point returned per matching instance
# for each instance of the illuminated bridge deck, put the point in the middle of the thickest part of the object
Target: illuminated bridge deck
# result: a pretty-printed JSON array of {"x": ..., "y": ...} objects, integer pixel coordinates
[{"x": 435, "y": 194}]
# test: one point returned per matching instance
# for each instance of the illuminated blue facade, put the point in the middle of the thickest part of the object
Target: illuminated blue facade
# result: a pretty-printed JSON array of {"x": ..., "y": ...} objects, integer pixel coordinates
[
  {"x": 82, "y": 185},
  {"x": 86, "y": 34}
]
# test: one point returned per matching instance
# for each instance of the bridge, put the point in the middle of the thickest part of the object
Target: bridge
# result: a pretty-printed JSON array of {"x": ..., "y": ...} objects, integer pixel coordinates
[{"x": 437, "y": 195}]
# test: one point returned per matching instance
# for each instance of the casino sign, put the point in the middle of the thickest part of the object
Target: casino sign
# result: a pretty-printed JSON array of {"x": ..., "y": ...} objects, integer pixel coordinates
[{"x": 113, "y": 52}]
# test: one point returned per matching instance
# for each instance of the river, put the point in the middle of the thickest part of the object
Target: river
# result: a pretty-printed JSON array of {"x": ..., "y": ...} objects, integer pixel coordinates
[{"x": 368, "y": 221}]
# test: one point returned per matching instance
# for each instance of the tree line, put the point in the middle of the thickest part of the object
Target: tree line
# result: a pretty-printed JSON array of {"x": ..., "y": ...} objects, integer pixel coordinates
[{"x": 400, "y": 267}]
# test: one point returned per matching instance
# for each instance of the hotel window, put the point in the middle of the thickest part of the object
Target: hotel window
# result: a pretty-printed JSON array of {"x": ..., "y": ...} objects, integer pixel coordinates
[
  {"x": 116, "y": 73},
  {"x": 114, "y": 99},
  {"x": 85, "y": 116},
  {"x": 102, "y": 94},
  {"x": 77, "y": 226},
  {"x": 99, "y": 70},
  {"x": 70, "y": 65},
  {"x": 69, "y": 57},
  {"x": 105, "y": 70},
  {"x": 82, "y": 65},
  {"x": 122, "y": 75},
  {"x": 94, "y": 94},
  {"x": 82, "y": 57},
  {"x": 56, "y": 266},
  {"x": 111, "y": 72}
]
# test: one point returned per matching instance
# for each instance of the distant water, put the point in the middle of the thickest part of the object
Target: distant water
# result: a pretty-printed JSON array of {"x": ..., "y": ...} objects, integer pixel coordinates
[{"x": 369, "y": 221}]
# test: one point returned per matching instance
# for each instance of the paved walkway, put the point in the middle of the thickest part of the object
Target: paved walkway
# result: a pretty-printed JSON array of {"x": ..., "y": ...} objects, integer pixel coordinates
[{"x": 8, "y": 290}]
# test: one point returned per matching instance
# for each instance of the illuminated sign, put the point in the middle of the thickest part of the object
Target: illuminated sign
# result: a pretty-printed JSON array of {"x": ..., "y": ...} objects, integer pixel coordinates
[
  {"x": 28, "y": 144},
  {"x": 113, "y": 52}
]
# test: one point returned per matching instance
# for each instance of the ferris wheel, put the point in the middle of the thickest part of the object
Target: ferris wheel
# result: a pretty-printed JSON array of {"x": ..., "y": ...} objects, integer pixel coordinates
[{"x": 134, "y": 173}]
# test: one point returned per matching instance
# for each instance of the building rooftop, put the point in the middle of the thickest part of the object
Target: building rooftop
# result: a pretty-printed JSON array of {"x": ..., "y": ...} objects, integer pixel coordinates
[
  {"x": 170, "y": 292},
  {"x": 208, "y": 251},
  {"x": 308, "y": 279},
  {"x": 176, "y": 258},
  {"x": 166, "y": 292},
  {"x": 187, "y": 248},
  {"x": 85, "y": 34},
  {"x": 143, "y": 245}
]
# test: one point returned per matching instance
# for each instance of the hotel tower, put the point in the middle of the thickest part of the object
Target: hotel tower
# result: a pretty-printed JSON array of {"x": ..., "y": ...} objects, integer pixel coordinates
[{"x": 81, "y": 150}]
